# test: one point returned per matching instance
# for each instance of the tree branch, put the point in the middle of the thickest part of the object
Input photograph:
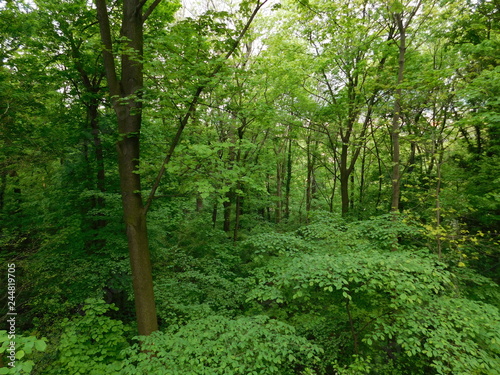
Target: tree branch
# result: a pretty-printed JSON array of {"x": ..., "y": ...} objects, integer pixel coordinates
[
  {"x": 109, "y": 60},
  {"x": 194, "y": 103},
  {"x": 175, "y": 141},
  {"x": 148, "y": 12}
]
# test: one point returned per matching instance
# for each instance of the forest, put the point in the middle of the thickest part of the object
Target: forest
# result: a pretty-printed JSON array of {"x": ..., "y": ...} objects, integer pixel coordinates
[{"x": 250, "y": 187}]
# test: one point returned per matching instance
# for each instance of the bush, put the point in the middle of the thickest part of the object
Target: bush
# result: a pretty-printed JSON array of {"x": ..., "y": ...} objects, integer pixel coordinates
[
  {"x": 91, "y": 344},
  {"x": 218, "y": 345}
]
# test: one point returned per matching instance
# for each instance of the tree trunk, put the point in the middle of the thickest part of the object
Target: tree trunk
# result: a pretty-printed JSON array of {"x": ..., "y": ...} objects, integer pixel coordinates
[
  {"x": 227, "y": 211},
  {"x": 396, "y": 117},
  {"x": 214, "y": 215},
  {"x": 99, "y": 155},
  {"x": 99, "y": 158},
  {"x": 288, "y": 181},
  {"x": 199, "y": 204},
  {"x": 310, "y": 188},
  {"x": 344, "y": 180},
  {"x": 279, "y": 190},
  {"x": 3, "y": 187},
  {"x": 126, "y": 96},
  {"x": 362, "y": 177},
  {"x": 237, "y": 215},
  {"x": 351, "y": 202},
  {"x": 126, "y": 93}
]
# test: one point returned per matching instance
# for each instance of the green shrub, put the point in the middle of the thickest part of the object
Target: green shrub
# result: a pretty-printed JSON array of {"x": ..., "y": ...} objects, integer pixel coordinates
[
  {"x": 24, "y": 347},
  {"x": 91, "y": 344},
  {"x": 400, "y": 305},
  {"x": 218, "y": 345}
]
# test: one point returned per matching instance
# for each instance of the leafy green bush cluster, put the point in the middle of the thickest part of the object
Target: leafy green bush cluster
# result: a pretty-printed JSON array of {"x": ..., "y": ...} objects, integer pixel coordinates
[
  {"x": 218, "y": 345},
  {"x": 91, "y": 344},
  {"x": 24, "y": 348},
  {"x": 399, "y": 306},
  {"x": 328, "y": 298},
  {"x": 190, "y": 287}
]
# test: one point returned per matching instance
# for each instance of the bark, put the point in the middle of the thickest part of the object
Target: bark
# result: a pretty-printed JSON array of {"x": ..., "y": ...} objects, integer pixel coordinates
[
  {"x": 438, "y": 209},
  {"x": 351, "y": 202},
  {"x": 3, "y": 187},
  {"x": 362, "y": 177},
  {"x": 310, "y": 176},
  {"x": 199, "y": 204},
  {"x": 125, "y": 90},
  {"x": 279, "y": 190},
  {"x": 99, "y": 157},
  {"x": 396, "y": 117},
  {"x": 214, "y": 215},
  {"x": 379, "y": 164},
  {"x": 227, "y": 211},
  {"x": 126, "y": 95},
  {"x": 402, "y": 27},
  {"x": 344, "y": 179},
  {"x": 288, "y": 181},
  {"x": 237, "y": 215}
]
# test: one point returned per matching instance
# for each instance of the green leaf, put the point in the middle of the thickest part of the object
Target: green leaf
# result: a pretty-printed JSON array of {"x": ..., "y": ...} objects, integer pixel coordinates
[
  {"x": 20, "y": 354},
  {"x": 40, "y": 345}
]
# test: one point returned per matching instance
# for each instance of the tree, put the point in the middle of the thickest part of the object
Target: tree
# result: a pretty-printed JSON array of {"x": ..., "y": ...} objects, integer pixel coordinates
[{"x": 126, "y": 83}]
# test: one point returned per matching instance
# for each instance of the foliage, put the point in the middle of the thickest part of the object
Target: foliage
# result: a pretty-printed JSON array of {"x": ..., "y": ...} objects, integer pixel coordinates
[
  {"x": 389, "y": 301},
  {"x": 272, "y": 248},
  {"x": 24, "y": 347},
  {"x": 198, "y": 278},
  {"x": 92, "y": 343},
  {"x": 218, "y": 345}
]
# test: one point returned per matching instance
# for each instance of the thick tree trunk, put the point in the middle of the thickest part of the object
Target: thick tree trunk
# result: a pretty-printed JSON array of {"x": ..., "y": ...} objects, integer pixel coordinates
[
  {"x": 135, "y": 220},
  {"x": 126, "y": 96}
]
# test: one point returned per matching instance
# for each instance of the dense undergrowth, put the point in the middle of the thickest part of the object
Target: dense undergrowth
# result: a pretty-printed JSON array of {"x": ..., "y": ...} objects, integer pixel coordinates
[{"x": 331, "y": 297}]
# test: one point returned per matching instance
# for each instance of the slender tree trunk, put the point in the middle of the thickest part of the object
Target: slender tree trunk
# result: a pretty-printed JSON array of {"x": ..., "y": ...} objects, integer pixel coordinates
[
  {"x": 288, "y": 181},
  {"x": 279, "y": 190},
  {"x": 268, "y": 208},
  {"x": 99, "y": 157},
  {"x": 227, "y": 211},
  {"x": 3, "y": 187},
  {"x": 237, "y": 215},
  {"x": 380, "y": 173},
  {"x": 396, "y": 118},
  {"x": 310, "y": 183},
  {"x": 344, "y": 180},
  {"x": 438, "y": 209},
  {"x": 332, "y": 196},
  {"x": 199, "y": 204},
  {"x": 214, "y": 215},
  {"x": 351, "y": 202},
  {"x": 362, "y": 178}
]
